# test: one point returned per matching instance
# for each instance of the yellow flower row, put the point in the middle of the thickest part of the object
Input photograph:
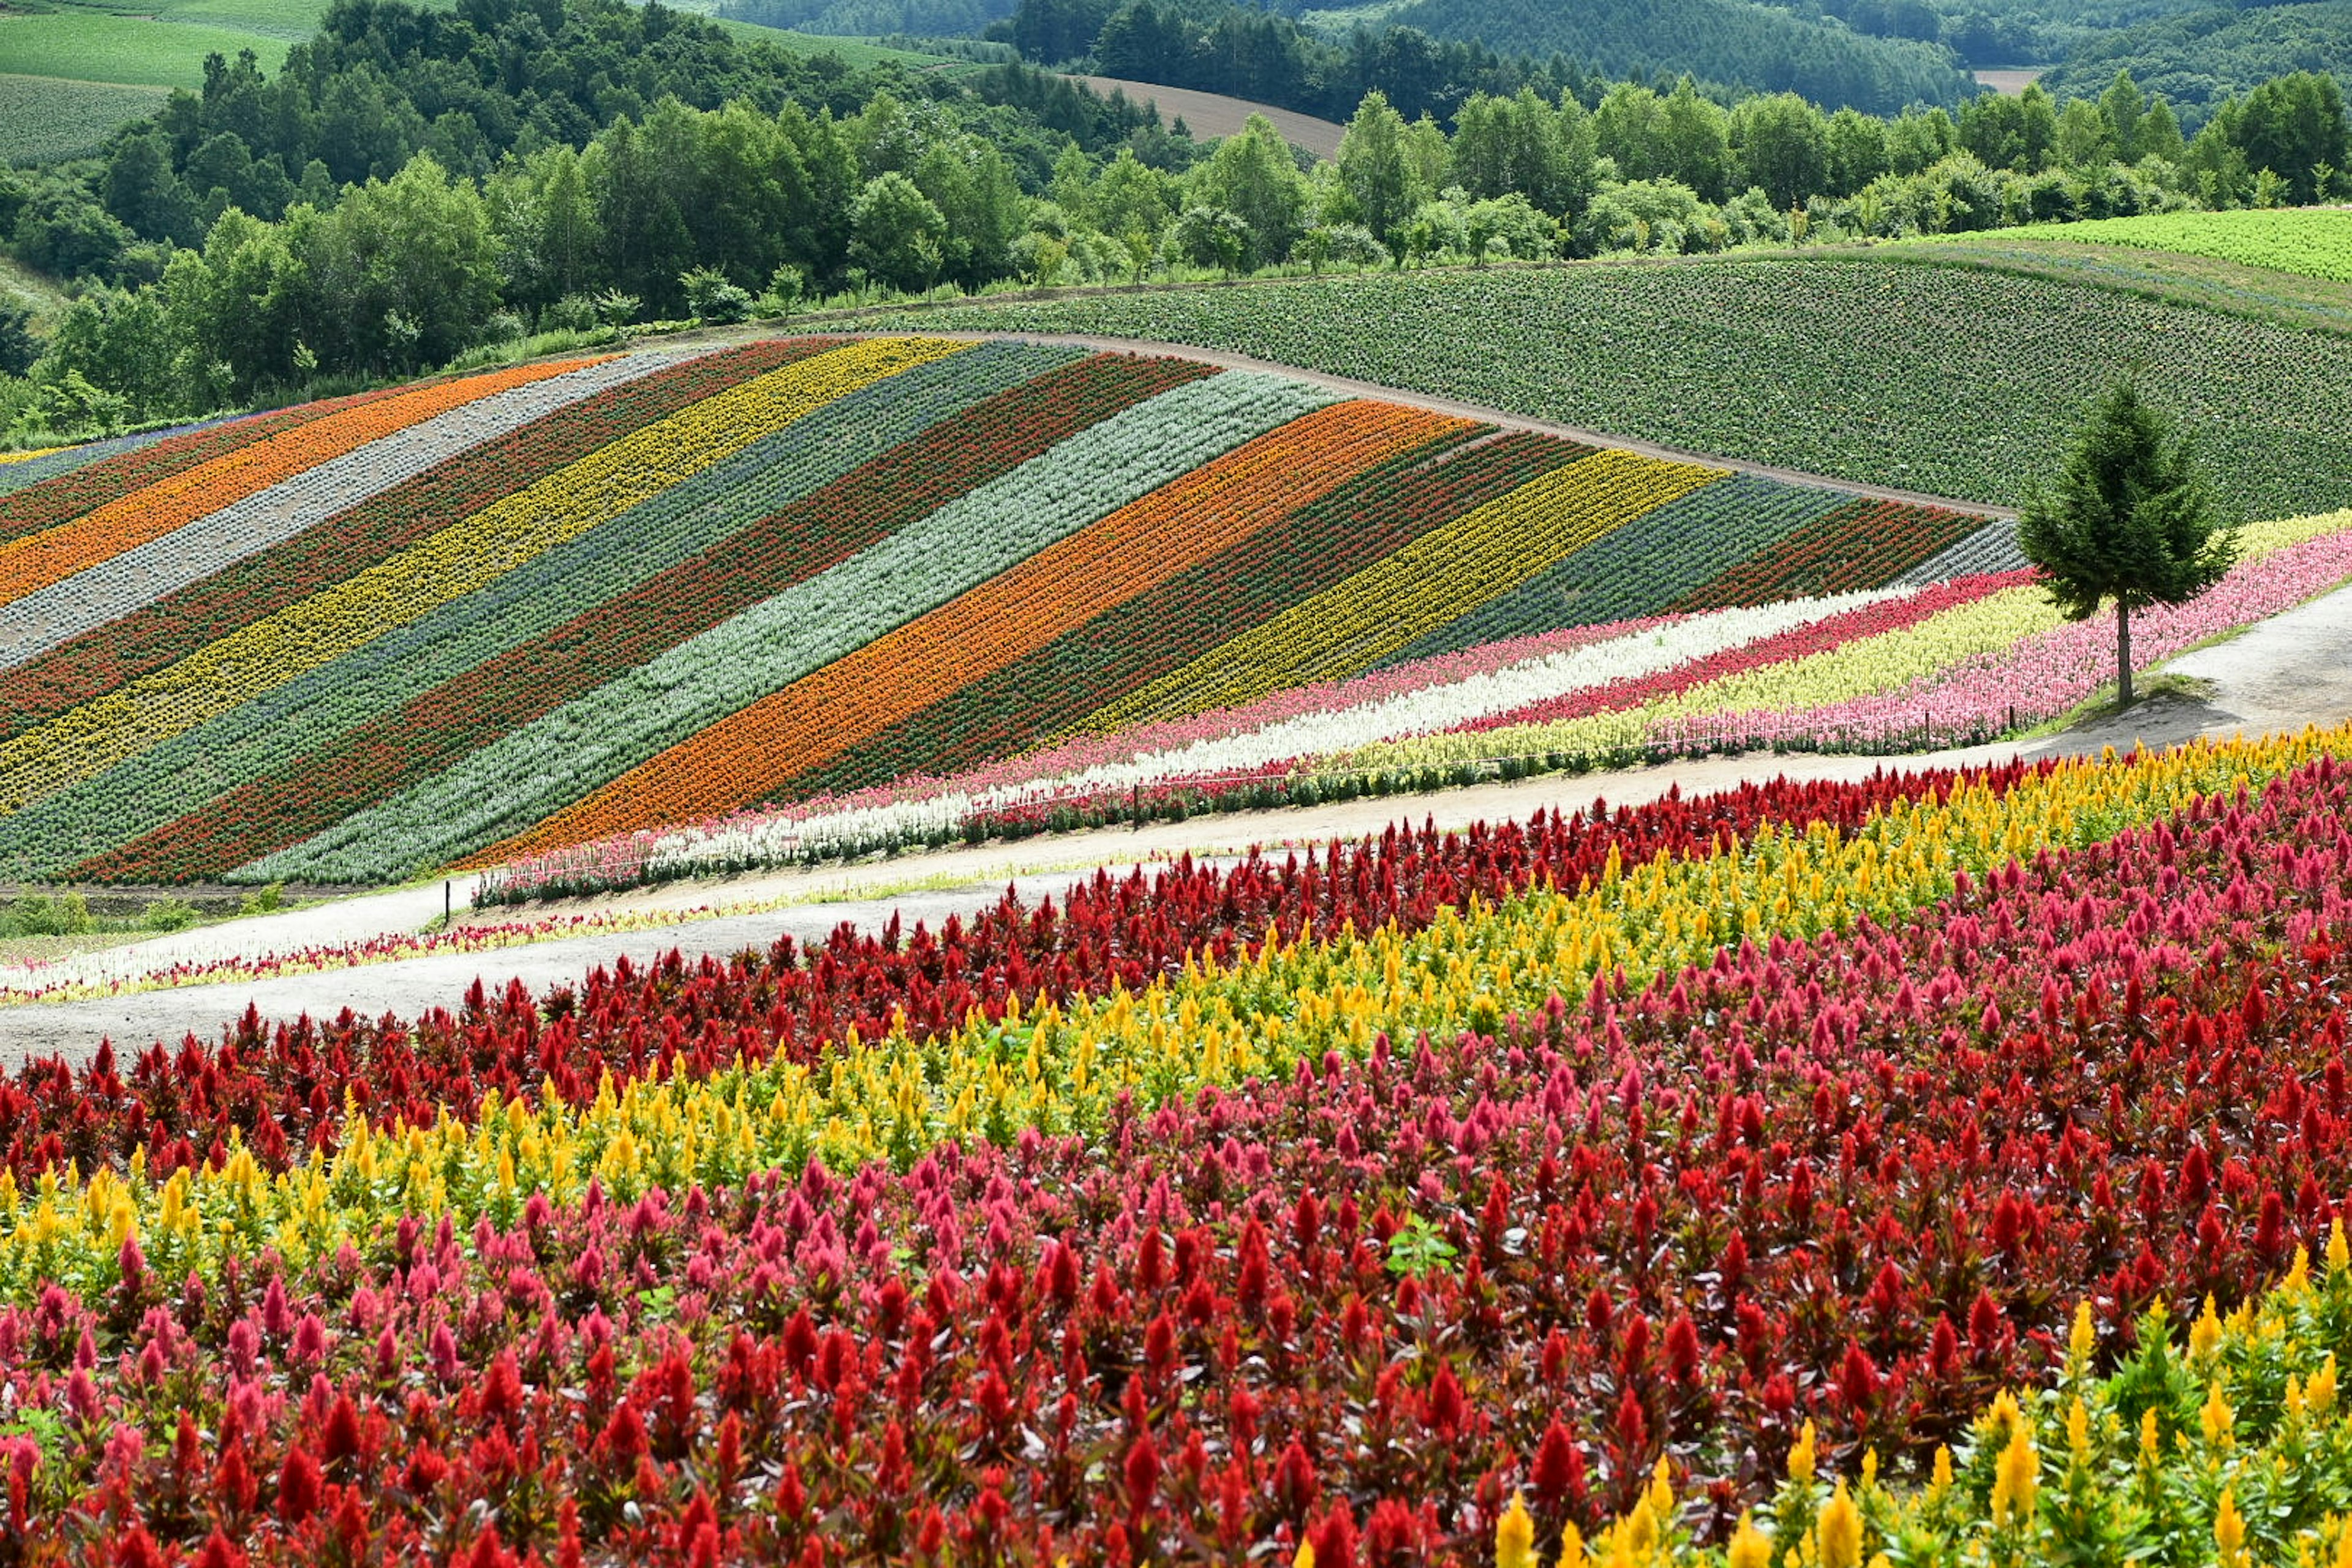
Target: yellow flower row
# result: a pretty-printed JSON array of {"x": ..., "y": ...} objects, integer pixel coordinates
[
  {"x": 1437, "y": 579},
  {"x": 2232, "y": 1448},
  {"x": 894, "y": 1098},
  {"x": 459, "y": 560}
]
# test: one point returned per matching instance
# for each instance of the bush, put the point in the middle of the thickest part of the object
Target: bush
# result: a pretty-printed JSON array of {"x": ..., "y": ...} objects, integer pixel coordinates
[{"x": 712, "y": 297}]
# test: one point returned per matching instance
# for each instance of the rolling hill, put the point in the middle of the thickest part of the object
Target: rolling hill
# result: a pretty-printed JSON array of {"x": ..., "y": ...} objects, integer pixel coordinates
[
  {"x": 486, "y": 616},
  {"x": 1947, "y": 372}
]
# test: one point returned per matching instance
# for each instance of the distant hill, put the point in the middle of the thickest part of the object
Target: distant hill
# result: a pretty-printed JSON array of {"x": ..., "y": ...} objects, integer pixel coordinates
[
  {"x": 1730, "y": 41},
  {"x": 2197, "y": 60}
]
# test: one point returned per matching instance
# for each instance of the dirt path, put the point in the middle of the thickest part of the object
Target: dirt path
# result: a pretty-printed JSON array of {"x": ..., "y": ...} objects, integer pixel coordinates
[
  {"x": 2289, "y": 671},
  {"x": 1215, "y": 115}
]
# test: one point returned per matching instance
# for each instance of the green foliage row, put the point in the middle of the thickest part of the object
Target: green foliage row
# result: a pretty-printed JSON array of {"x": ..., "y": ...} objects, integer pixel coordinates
[
  {"x": 1949, "y": 380},
  {"x": 2307, "y": 243}
]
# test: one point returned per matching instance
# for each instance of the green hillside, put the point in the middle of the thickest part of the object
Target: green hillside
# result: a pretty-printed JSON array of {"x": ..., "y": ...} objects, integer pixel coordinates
[
  {"x": 1730, "y": 41},
  {"x": 1956, "y": 380},
  {"x": 2198, "y": 58}
]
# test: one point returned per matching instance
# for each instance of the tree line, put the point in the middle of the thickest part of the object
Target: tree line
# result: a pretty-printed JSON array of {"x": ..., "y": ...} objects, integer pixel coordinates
[{"x": 220, "y": 256}]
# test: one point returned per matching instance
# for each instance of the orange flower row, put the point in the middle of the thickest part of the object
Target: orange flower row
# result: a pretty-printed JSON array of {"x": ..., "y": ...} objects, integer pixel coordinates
[
  {"x": 35, "y": 560},
  {"x": 1105, "y": 564}
]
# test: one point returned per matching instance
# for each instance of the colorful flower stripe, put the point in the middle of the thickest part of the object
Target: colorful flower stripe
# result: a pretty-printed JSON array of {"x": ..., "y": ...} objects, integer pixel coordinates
[
  {"x": 1826, "y": 634},
  {"x": 2052, "y": 669},
  {"x": 27, "y": 468},
  {"x": 1991, "y": 549},
  {"x": 1639, "y": 569},
  {"x": 68, "y": 495},
  {"x": 1358, "y": 1308},
  {"x": 1116, "y": 560},
  {"x": 454, "y": 562},
  {"x": 1216, "y": 750},
  {"x": 1221, "y": 1022},
  {"x": 1864, "y": 544},
  {"x": 258, "y": 1084},
  {"x": 1373, "y": 515},
  {"x": 524, "y": 776},
  {"x": 35, "y": 560},
  {"x": 178, "y": 624},
  {"x": 86, "y": 601},
  {"x": 1883, "y": 661},
  {"x": 607, "y": 563},
  {"x": 956, "y": 424},
  {"x": 1437, "y": 579}
]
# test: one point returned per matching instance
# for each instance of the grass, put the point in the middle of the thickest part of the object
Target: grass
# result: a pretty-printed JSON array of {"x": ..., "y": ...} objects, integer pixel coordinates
[
  {"x": 1954, "y": 380},
  {"x": 23, "y": 286}
]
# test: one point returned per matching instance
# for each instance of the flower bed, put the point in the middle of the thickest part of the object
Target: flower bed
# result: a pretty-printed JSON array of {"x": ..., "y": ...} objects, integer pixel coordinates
[{"x": 1409, "y": 1201}]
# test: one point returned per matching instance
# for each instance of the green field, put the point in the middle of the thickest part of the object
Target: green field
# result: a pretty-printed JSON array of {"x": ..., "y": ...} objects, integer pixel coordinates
[
  {"x": 79, "y": 43},
  {"x": 1958, "y": 381},
  {"x": 2310, "y": 242},
  {"x": 43, "y": 118}
]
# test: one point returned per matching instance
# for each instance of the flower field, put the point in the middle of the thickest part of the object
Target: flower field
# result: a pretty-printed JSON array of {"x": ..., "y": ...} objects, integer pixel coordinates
[
  {"x": 1944, "y": 1164},
  {"x": 506, "y": 616}
]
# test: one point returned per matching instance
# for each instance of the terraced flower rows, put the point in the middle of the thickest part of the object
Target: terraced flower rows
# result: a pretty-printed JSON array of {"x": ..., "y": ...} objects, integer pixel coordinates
[
  {"x": 514, "y": 613},
  {"x": 1712, "y": 1181}
]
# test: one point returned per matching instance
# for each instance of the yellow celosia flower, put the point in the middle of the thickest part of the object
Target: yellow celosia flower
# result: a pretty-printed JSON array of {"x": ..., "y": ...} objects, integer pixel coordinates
[
  {"x": 2151, "y": 1446},
  {"x": 2298, "y": 1273},
  {"x": 1800, "y": 1457},
  {"x": 2319, "y": 1394},
  {"x": 1304, "y": 1558},
  {"x": 1840, "y": 1532},
  {"x": 2078, "y": 1432},
  {"x": 2205, "y": 1333},
  {"x": 1662, "y": 1490},
  {"x": 1571, "y": 1548},
  {"x": 1939, "y": 1475},
  {"x": 2084, "y": 1339},
  {"x": 2339, "y": 1256},
  {"x": 2016, "y": 1476},
  {"x": 1515, "y": 1537},
  {"x": 2218, "y": 1420},
  {"x": 1748, "y": 1547},
  {"x": 1637, "y": 1537},
  {"x": 2229, "y": 1532}
]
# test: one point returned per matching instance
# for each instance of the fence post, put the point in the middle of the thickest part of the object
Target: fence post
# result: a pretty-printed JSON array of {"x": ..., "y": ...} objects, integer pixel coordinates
[
  {"x": 444, "y": 904},
  {"x": 1135, "y": 805}
]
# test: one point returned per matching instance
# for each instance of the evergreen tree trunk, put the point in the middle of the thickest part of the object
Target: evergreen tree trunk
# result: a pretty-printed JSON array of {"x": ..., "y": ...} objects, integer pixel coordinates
[{"x": 2123, "y": 655}]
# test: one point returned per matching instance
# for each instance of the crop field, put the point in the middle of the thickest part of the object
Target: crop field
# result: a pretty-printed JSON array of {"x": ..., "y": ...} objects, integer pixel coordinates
[
  {"x": 44, "y": 119},
  {"x": 529, "y": 610},
  {"x": 2308, "y": 242},
  {"x": 1950, "y": 380},
  {"x": 1945, "y": 1163}
]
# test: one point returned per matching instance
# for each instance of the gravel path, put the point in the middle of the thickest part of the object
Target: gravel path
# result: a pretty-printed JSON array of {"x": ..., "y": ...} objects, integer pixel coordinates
[{"x": 2293, "y": 670}]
